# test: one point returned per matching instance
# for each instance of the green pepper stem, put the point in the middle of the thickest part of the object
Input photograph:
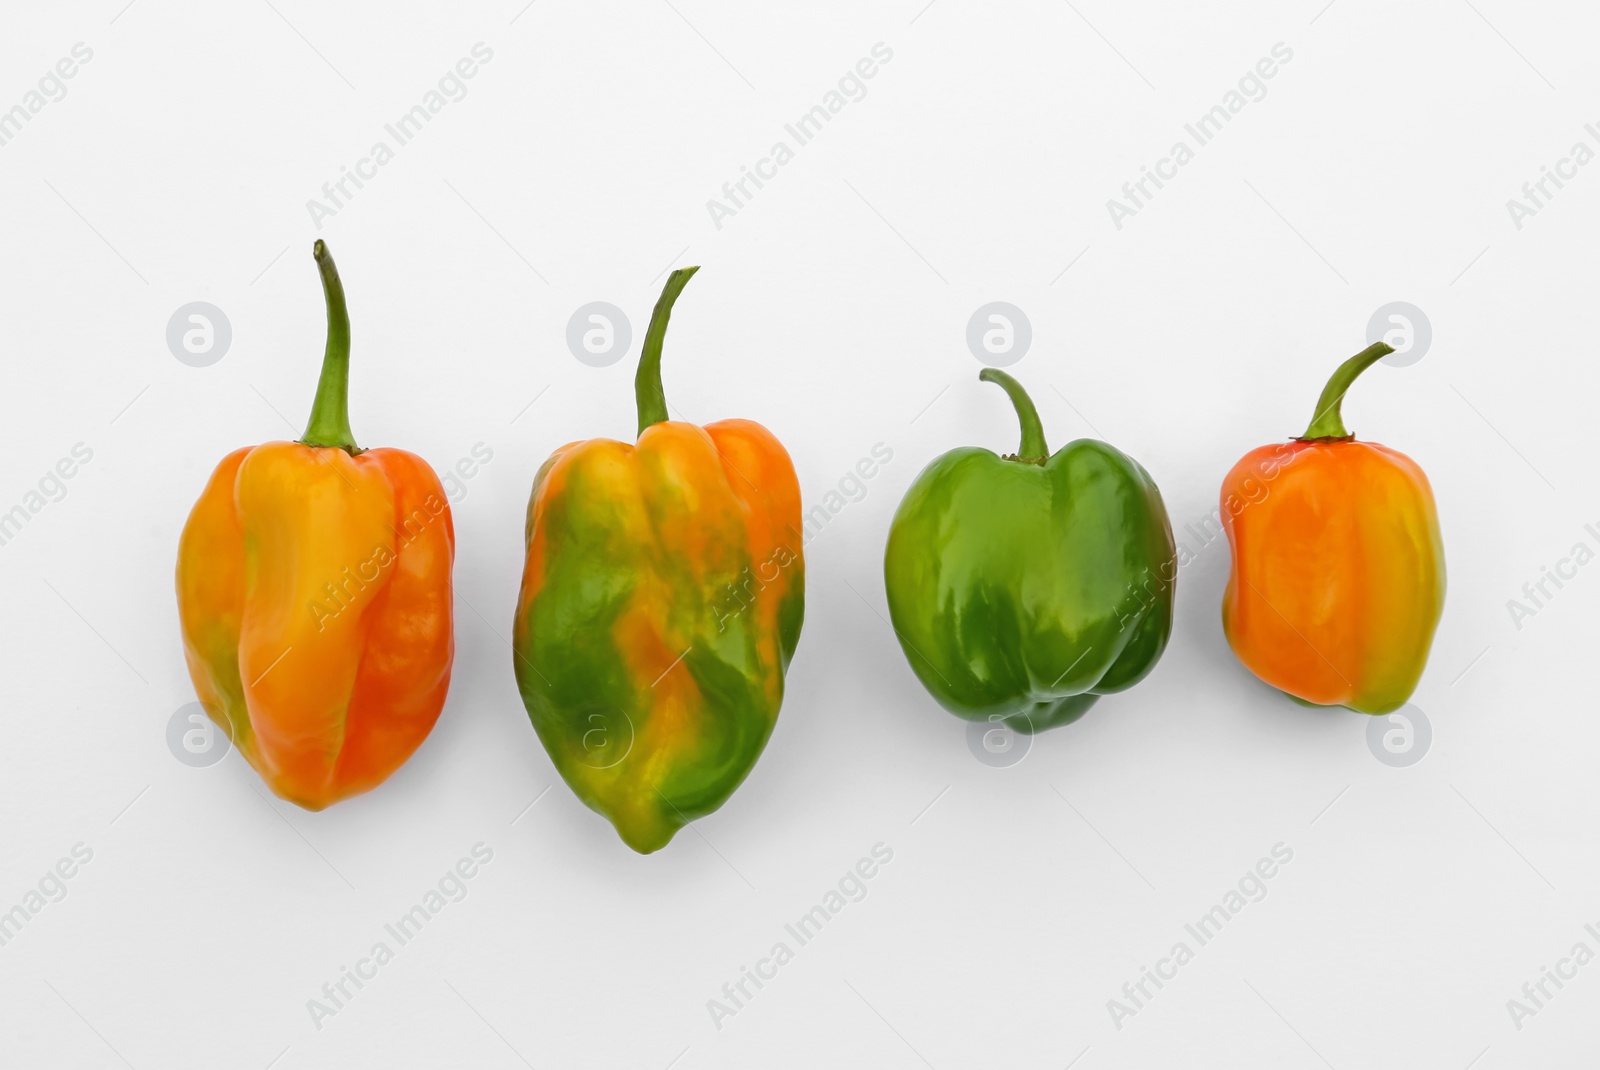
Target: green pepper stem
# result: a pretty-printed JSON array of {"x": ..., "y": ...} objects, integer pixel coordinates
[
  {"x": 1326, "y": 421},
  {"x": 330, "y": 411},
  {"x": 1033, "y": 449},
  {"x": 647, "y": 383}
]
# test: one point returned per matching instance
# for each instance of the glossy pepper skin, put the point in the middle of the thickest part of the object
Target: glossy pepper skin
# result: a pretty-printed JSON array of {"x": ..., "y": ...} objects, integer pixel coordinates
[
  {"x": 661, "y": 604},
  {"x": 1024, "y": 587},
  {"x": 1338, "y": 569},
  {"x": 314, "y": 597}
]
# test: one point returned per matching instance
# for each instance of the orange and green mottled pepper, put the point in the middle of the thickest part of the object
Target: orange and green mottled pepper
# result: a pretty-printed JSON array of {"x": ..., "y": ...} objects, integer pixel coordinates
[
  {"x": 661, "y": 604},
  {"x": 1338, "y": 568},
  {"x": 314, "y": 596}
]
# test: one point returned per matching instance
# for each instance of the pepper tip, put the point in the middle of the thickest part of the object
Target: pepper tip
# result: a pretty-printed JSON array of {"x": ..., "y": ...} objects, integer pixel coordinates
[{"x": 319, "y": 251}]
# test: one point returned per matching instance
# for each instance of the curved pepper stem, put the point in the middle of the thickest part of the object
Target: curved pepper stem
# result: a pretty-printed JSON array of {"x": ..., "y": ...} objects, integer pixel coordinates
[
  {"x": 1033, "y": 449},
  {"x": 330, "y": 411},
  {"x": 1326, "y": 423},
  {"x": 647, "y": 382}
]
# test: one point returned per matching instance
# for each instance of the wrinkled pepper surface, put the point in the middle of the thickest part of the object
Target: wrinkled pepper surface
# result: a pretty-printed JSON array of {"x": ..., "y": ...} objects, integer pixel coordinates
[
  {"x": 1025, "y": 587},
  {"x": 314, "y": 597},
  {"x": 1338, "y": 569},
  {"x": 661, "y": 604}
]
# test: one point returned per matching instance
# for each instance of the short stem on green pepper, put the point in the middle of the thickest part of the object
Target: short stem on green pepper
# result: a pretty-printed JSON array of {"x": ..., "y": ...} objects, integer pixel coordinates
[
  {"x": 330, "y": 411},
  {"x": 647, "y": 382},
  {"x": 1326, "y": 422},
  {"x": 1033, "y": 449}
]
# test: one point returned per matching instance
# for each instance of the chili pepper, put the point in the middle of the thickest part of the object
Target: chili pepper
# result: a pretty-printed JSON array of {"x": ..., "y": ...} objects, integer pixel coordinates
[
  {"x": 314, "y": 596},
  {"x": 660, "y": 607},
  {"x": 1338, "y": 570},
  {"x": 1024, "y": 587}
]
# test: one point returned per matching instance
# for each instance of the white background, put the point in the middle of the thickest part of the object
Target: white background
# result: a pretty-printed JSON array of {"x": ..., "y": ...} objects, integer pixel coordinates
[{"x": 833, "y": 309}]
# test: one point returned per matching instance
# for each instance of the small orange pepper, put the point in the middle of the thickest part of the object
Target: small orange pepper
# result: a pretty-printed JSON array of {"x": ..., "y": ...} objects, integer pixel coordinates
[
  {"x": 1338, "y": 569},
  {"x": 315, "y": 600}
]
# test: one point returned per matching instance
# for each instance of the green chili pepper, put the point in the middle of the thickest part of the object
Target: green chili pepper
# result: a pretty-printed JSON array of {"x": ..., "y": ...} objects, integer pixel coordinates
[{"x": 1024, "y": 587}]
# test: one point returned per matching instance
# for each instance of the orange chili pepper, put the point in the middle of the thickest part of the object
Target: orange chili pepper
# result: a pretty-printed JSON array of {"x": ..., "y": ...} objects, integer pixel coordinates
[
  {"x": 315, "y": 600},
  {"x": 1338, "y": 569}
]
